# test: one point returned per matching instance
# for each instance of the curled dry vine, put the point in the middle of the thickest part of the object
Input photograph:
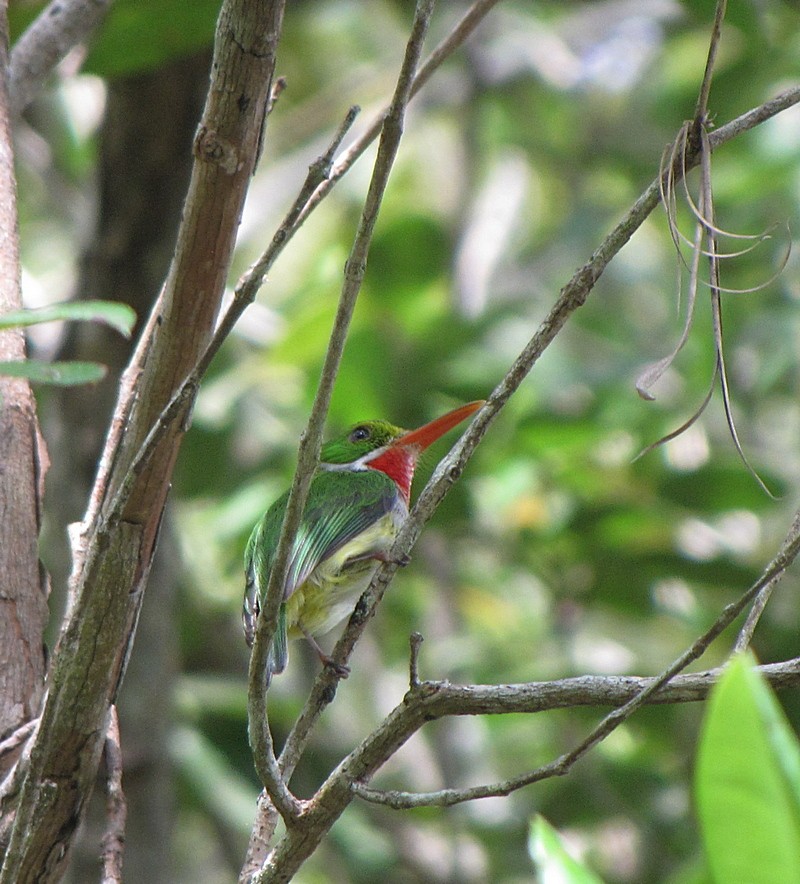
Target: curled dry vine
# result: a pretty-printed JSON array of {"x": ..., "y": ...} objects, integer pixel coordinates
[{"x": 693, "y": 140}]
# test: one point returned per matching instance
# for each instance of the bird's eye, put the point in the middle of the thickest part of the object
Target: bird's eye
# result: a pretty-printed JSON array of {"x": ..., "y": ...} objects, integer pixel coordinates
[{"x": 359, "y": 434}]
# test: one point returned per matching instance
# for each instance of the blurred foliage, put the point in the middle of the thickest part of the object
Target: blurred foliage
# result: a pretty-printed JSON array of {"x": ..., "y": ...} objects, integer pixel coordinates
[{"x": 556, "y": 554}]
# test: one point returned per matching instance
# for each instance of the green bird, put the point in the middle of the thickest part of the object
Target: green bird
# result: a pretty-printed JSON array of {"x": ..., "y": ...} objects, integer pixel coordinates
[{"x": 358, "y": 500}]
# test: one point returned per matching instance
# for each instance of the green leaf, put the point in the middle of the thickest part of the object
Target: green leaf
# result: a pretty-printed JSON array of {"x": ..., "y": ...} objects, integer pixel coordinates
[
  {"x": 553, "y": 864},
  {"x": 114, "y": 313},
  {"x": 747, "y": 782},
  {"x": 62, "y": 374}
]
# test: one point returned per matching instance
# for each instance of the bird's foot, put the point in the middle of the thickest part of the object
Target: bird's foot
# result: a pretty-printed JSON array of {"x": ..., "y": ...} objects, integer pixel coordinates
[
  {"x": 400, "y": 561},
  {"x": 339, "y": 669}
]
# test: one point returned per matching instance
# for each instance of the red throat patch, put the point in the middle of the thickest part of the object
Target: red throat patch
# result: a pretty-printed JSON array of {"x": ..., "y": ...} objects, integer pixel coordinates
[{"x": 398, "y": 463}]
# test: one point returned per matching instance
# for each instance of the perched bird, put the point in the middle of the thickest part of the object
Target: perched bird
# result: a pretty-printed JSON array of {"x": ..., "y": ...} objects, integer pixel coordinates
[{"x": 357, "y": 502}]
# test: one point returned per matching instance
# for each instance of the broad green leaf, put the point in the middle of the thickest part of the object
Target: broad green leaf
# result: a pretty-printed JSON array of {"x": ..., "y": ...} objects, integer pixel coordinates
[
  {"x": 553, "y": 864},
  {"x": 783, "y": 741},
  {"x": 114, "y": 313},
  {"x": 62, "y": 374},
  {"x": 747, "y": 784}
]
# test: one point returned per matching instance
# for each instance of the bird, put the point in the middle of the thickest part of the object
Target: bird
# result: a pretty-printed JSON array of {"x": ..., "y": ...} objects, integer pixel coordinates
[{"x": 358, "y": 500}]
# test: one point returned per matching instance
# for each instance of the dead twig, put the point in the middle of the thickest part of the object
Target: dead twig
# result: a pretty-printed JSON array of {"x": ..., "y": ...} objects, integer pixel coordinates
[{"x": 113, "y": 845}]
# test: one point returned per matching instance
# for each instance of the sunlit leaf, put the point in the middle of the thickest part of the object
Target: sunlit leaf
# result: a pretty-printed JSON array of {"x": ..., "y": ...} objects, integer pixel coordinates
[
  {"x": 747, "y": 783},
  {"x": 114, "y": 313}
]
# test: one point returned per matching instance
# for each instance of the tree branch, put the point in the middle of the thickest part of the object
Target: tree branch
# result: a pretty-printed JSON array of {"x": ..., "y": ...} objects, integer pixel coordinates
[
  {"x": 23, "y": 463},
  {"x": 569, "y": 693},
  {"x": 310, "y": 443},
  {"x": 433, "y": 700},
  {"x": 119, "y": 534},
  {"x": 572, "y": 296},
  {"x": 116, "y": 808},
  {"x": 59, "y": 27}
]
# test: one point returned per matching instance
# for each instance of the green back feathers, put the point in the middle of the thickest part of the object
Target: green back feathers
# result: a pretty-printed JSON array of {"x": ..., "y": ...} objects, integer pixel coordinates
[{"x": 341, "y": 504}]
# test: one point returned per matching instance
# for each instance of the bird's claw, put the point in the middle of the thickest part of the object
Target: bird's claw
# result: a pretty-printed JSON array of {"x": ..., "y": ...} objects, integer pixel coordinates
[{"x": 340, "y": 670}]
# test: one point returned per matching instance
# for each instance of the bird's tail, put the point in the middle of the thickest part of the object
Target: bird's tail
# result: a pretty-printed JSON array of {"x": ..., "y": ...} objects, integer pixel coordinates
[{"x": 278, "y": 654}]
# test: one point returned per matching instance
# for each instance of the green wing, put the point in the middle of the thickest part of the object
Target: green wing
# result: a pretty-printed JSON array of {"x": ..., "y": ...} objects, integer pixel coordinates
[{"x": 339, "y": 508}]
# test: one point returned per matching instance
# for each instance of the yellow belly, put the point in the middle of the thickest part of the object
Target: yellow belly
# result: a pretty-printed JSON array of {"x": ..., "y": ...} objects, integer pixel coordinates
[{"x": 335, "y": 585}]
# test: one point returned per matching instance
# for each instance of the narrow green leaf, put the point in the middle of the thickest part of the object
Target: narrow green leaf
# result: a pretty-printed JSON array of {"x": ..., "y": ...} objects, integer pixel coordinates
[
  {"x": 747, "y": 804},
  {"x": 114, "y": 313},
  {"x": 553, "y": 864},
  {"x": 61, "y": 374}
]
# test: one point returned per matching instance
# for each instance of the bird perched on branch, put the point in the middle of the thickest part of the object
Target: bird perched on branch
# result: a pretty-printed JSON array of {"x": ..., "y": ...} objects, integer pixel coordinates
[{"x": 357, "y": 502}]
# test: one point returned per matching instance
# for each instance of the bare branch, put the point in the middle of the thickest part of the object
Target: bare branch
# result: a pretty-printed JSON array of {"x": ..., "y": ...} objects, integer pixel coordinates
[
  {"x": 119, "y": 536},
  {"x": 432, "y": 700},
  {"x": 746, "y": 634},
  {"x": 701, "y": 109},
  {"x": 116, "y": 807},
  {"x": 471, "y": 19},
  {"x": 752, "y": 118},
  {"x": 415, "y": 641},
  {"x": 308, "y": 453},
  {"x": 572, "y": 296},
  {"x": 437, "y": 699},
  {"x": 59, "y": 27},
  {"x": 567, "y": 693},
  {"x": 261, "y": 835}
]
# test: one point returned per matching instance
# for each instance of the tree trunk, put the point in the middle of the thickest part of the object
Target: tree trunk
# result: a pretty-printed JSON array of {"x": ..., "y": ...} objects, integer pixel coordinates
[
  {"x": 23, "y": 584},
  {"x": 148, "y": 127}
]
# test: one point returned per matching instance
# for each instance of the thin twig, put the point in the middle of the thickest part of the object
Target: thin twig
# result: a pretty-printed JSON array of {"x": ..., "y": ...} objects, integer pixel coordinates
[
  {"x": 113, "y": 845},
  {"x": 701, "y": 109},
  {"x": 746, "y": 634},
  {"x": 415, "y": 642},
  {"x": 244, "y": 295},
  {"x": 471, "y": 19},
  {"x": 564, "y": 694},
  {"x": 308, "y": 453},
  {"x": 58, "y": 28},
  {"x": 572, "y": 296},
  {"x": 651, "y": 690}
]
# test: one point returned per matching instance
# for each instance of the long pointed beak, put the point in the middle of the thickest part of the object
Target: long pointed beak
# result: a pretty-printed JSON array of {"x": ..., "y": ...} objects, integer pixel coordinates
[{"x": 423, "y": 436}]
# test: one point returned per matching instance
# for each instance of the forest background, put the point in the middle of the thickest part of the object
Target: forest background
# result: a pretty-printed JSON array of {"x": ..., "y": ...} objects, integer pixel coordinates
[{"x": 557, "y": 553}]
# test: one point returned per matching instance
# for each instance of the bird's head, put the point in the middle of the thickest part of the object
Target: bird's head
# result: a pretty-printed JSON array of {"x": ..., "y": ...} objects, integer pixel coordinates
[{"x": 379, "y": 445}]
